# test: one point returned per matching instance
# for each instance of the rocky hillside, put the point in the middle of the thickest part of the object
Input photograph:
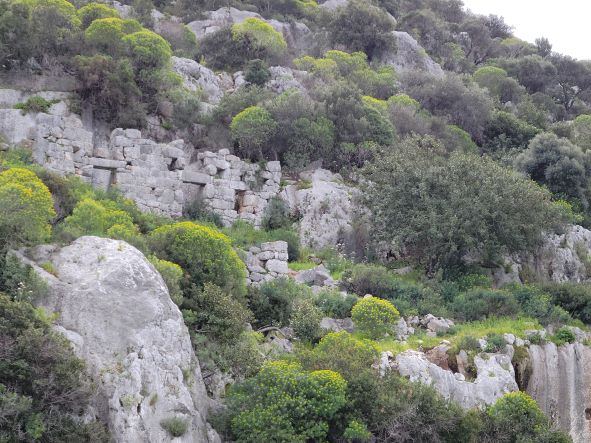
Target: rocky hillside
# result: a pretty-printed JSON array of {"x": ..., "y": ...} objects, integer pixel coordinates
[{"x": 292, "y": 221}]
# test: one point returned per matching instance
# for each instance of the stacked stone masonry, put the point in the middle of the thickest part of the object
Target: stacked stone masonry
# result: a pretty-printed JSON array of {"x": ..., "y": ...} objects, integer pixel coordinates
[
  {"x": 159, "y": 177},
  {"x": 267, "y": 262}
]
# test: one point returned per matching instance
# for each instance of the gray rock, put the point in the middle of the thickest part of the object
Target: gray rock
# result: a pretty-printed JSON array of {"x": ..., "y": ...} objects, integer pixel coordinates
[
  {"x": 278, "y": 266},
  {"x": 410, "y": 55},
  {"x": 402, "y": 331},
  {"x": 198, "y": 77},
  {"x": 560, "y": 382},
  {"x": 116, "y": 310},
  {"x": 495, "y": 378},
  {"x": 316, "y": 276},
  {"x": 337, "y": 324}
]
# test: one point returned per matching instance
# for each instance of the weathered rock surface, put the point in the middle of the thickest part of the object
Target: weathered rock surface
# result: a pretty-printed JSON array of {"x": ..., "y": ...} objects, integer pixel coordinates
[
  {"x": 561, "y": 258},
  {"x": 337, "y": 324},
  {"x": 326, "y": 208},
  {"x": 560, "y": 382},
  {"x": 495, "y": 378},
  {"x": 198, "y": 77},
  {"x": 115, "y": 309},
  {"x": 297, "y": 35},
  {"x": 409, "y": 54}
]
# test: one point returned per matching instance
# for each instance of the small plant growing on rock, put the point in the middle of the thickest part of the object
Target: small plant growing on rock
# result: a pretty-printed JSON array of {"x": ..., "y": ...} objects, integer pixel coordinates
[
  {"x": 564, "y": 335},
  {"x": 175, "y": 426},
  {"x": 374, "y": 316},
  {"x": 35, "y": 104},
  {"x": 494, "y": 343}
]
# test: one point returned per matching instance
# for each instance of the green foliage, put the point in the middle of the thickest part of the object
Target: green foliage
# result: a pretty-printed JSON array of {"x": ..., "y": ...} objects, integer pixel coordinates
[
  {"x": 215, "y": 312},
  {"x": 495, "y": 79},
  {"x": 106, "y": 34},
  {"x": 505, "y": 132},
  {"x": 252, "y": 129},
  {"x": 181, "y": 39},
  {"x": 27, "y": 208},
  {"x": 335, "y": 304},
  {"x": 43, "y": 386},
  {"x": 276, "y": 214},
  {"x": 361, "y": 26},
  {"x": 582, "y": 131},
  {"x": 272, "y": 302},
  {"x": 91, "y": 217},
  {"x": 537, "y": 303},
  {"x": 94, "y": 11},
  {"x": 357, "y": 431},
  {"x": 175, "y": 426},
  {"x": 561, "y": 166},
  {"x": 204, "y": 253},
  {"x": 258, "y": 39},
  {"x": 494, "y": 343},
  {"x": 480, "y": 206},
  {"x": 374, "y": 316},
  {"x": 575, "y": 298},
  {"x": 305, "y": 320},
  {"x": 172, "y": 275},
  {"x": 148, "y": 50},
  {"x": 284, "y": 403},
  {"x": 20, "y": 282},
  {"x": 564, "y": 335},
  {"x": 479, "y": 303},
  {"x": 516, "y": 417},
  {"x": 257, "y": 72},
  {"x": 35, "y": 104}
]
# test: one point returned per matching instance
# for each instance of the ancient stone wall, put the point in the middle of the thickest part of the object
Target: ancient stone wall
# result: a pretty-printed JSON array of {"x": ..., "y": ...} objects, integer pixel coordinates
[
  {"x": 160, "y": 177},
  {"x": 267, "y": 262}
]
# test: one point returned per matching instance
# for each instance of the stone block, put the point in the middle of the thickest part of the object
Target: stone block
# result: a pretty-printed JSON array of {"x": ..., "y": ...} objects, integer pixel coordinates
[
  {"x": 276, "y": 246},
  {"x": 196, "y": 177},
  {"x": 133, "y": 133},
  {"x": 278, "y": 266},
  {"x": 274, "y": 166},
  {"x": 107, "y": 163}
]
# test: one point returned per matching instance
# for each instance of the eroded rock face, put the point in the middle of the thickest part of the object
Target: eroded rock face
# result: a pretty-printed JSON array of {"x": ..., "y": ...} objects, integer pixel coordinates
[
  {"x": 115, "y": 309},
  {"x": 495, "y": 378},
  {"x": 560, "y": 382},
  {"x": 196, "y": 76},
  {"x": 408, "y": 54},
  {"x": 325, "y": 207},
  {"x": 297, "y": 35}
]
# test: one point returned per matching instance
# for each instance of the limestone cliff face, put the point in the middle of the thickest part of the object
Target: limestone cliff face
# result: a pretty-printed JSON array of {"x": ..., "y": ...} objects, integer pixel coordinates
[
  {"x": 115, "y": 309},
  {"x": 560, "y": 381}
]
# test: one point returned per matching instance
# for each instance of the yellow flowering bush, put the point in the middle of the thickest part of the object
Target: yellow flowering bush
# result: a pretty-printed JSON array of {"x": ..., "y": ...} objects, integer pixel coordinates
[{"x": 374, "y": 316}]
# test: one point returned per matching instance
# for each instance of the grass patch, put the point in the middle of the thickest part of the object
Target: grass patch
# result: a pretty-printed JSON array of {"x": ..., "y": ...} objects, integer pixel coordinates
[
  {"x": 175, "y": 426},
  {"x": 35, "y": 104},
  {"x": 476, "y": 329},
  {"x": 301, "y": 265}
]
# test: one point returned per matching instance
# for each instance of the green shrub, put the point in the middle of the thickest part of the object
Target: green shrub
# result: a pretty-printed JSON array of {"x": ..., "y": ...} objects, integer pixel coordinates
[
  {"x": 196, "y": 210},
  {"x": 374, "y": 316},
  {"x": 478, "y": 304},
  {"x": 44, "y": 388},
  {"x": 257, "y": 72},
  {"x": 276, "y": 214},
  {"x": 21, "y": 282},
  {"x": 536, "y": 303},
  {"x": 148, "y": 50},
  {"x": 575, "y": 298},
  {"x": 494, "y": 343},
  {"x": 35, "y": 104},
  {"x": 305, "y": 320},
  {"x": 91, "y": 217},
  {"x": 205, "y": 254},
  {"x": 564, "y": 335},
  {"x": 175, "y": 426},
  {"x": 210, "y": 309},
  {"x": 258, "y": 39},
  {"x": 172, "y": 274},
  {"x": 357, "y": 431},
  {"x": 335, "y": 304},
  {"x": 287, "y": 403},
  {"x": 272, "y": 302},
  {"x": 252, "y": 129},
  {"x": 93, "y": 11},
  {"x": 27, "y": 208}
]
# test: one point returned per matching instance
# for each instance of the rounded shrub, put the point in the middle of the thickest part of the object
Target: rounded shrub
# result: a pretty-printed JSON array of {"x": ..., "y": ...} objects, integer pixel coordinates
[
  {"x": 93, "y": 11},
  {"x": 27, "y": 207},
  {"x": 204, "y": 253},
  {"x": 252, "y": 129},
  {"x": 374, "y": 316}
]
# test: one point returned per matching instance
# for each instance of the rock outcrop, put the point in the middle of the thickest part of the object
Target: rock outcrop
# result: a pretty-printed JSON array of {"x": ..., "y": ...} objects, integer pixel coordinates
[
  {"x": 408, "y": 54},
  {"x": 495, "y": 378},
  {"x": 297, "y": 35},
  {"x": 115, "y": 309},
  {"x": 325, "y": 206},
  {"x": 562, "y": 257},
  {"x": 560, "y": 381},
  {"x": 197, "y": 77}
]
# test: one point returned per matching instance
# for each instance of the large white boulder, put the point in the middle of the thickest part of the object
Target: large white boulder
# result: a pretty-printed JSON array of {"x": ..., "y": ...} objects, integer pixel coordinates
[
  {"x": 325, "y": 206},
  {"x": 409, "y": 54},
  {"x": 115, "y": 309},
  {"x": 495, "y": 377}
]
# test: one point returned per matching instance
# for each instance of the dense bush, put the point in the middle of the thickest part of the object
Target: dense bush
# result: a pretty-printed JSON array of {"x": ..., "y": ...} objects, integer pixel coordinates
[
  {"x": 43, "y": 386},
  {"x": 575, "y": 298},
  {"x": 35, "y": 104},
  {"x": 474, "y": 205},
  {"x": 479, "y": 304},
  {"x": 285, "y": 403},
  {"x": 172, "y": 274},
  {"x": 334, "y": 303},
  {"x": 205, "y": 254},
  {"x": 276, "y": 214},
  {"x": 272, "y": 302},
  {"x": 305, "y": 320},
  {"x": 253, "y": 129},
  {"x": 374, "y": 316},
  {"x": 27, "y": 208}
]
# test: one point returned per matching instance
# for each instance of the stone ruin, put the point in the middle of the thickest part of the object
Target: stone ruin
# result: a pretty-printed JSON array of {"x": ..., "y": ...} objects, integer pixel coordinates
[
  {"x": 160, "y": 177},
  {"x": 267, "y": 262}
]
